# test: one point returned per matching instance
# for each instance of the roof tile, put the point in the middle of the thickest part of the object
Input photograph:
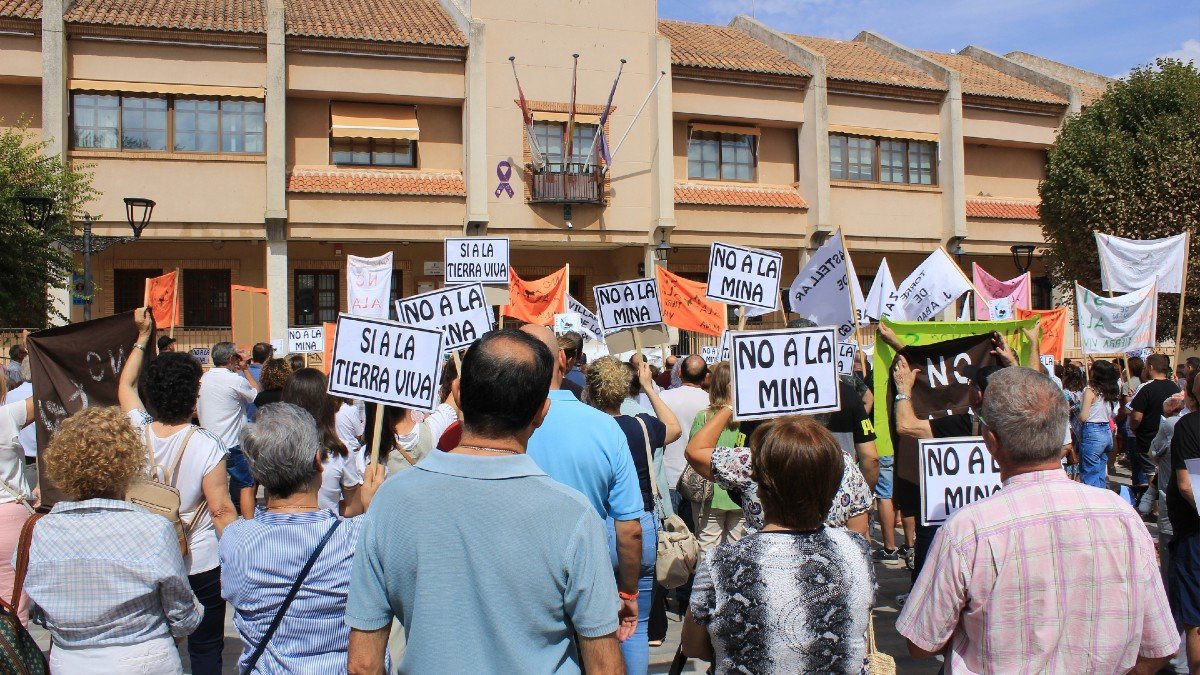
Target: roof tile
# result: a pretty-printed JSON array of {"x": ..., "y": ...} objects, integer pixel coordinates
[
  {"x": 332, "y": 180},
  {"x": 421, "y": 22},
  {"x": 1005, "y": 209},
  {"x": 699, "y": 45},
  {"x": 20, "y": 9},
  {"x": 858, "y": 62},
  {"x": 723, "y": 194},
  {"x": 229, "y": 16},
  {"x": 980, "y": 79}
]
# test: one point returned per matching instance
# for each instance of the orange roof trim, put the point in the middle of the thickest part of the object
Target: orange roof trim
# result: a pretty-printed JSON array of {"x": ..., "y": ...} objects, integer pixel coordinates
[
  {"x": 1003, "y": 209},
  {"x": 332, "y": 180},
  {"x": 700, "y": 45},
  {"x": 723, "y": 194}
]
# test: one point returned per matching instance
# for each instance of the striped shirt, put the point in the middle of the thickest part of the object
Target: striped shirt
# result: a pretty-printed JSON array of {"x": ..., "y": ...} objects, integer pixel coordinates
[
  {"x": 106, "y": 573},
  {"x": 260, "y": 560},
  {"x": 1047, "y": 575}
]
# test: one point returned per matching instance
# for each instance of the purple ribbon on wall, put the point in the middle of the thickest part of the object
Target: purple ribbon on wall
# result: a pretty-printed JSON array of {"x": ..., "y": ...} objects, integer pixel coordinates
[{"x": 504, "y": 173}]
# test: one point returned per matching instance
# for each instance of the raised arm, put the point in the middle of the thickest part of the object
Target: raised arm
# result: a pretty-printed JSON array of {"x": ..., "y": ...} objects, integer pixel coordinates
[
  {"x": 661, "y": 411},
  {"x": 127, "y": 392},
  {"x": 699, "y": 450},
  {"x": 907, "y": 422}
]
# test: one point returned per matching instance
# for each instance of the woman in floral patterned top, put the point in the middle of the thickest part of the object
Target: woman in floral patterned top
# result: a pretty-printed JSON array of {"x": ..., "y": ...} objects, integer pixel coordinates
[{"x": 730, "y": 468}]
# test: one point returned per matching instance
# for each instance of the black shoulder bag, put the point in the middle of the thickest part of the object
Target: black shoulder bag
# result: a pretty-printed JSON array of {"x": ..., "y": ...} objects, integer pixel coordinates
[{"x": 262, "y": 645}]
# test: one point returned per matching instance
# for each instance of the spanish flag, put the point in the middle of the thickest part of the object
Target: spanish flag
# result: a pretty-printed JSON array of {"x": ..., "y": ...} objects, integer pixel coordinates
[
  {"x": 536, "y": 301},
  {"x": 161, "y": 298},
  {"x": 685, "y": 305}
]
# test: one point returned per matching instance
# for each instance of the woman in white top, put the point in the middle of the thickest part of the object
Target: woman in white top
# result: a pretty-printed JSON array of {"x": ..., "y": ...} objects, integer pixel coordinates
[
  {"x": 1101, "y": 400},
  {"x": 15, "y": 493},
  {"x": 341, "y": 474},
  {"x": 172, "y": 386},
  {"x": 413, "y": 434}
]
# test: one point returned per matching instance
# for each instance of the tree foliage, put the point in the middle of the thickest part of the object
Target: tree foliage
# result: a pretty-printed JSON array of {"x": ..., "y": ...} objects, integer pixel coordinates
[
  {"x": 1129, "y": 165},
  {"x": 29, "y": 257}
]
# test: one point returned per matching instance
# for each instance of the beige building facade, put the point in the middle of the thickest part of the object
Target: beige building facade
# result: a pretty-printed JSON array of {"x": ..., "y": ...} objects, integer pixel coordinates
[{"x": 277, "y": 139}]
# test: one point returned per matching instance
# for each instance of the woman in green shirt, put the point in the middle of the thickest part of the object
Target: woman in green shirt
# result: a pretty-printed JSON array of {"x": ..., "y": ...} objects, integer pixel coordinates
[{"x": 720, "y": 520}]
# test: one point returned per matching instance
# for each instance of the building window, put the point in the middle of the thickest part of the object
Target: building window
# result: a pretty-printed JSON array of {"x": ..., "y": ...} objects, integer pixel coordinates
[
  {"x": 549, "y": 137},
  {"x": 206, "y": 298},
  {"x": 719, "y": 156},
  {"x": 129, "y": 288},
  {"x": 397, "y": 293},
  {"x": 882, "y": 160},
  {"x": 318, "y": 297},
  {"x": 373, "y": 152},
  {"x": 112, "y": 122}
]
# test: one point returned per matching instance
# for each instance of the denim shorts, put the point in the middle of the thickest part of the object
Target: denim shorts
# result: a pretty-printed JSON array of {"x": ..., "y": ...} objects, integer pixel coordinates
[
  {"x": 238, "y": 469},
  {"x": 883, "y": 487}
]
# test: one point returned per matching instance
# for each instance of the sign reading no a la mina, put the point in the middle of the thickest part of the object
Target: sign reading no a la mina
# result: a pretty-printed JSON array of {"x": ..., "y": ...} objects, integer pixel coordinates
[
  {"x": 481, "y": 260},
  {"x": 628, "y": 304},
  {"x": 744, "y": 276},
  {"x": 306, "y": 340},
  {"x": 784, "y": 372},
  {"x": 461, "y": 312},
  {"x": 954, "y": 473},
  {"x": 386, "y": 362}
]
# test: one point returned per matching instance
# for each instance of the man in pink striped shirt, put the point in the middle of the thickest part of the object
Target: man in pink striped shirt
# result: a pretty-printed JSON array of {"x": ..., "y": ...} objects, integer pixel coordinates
[{"x": 1047, "y": 575}]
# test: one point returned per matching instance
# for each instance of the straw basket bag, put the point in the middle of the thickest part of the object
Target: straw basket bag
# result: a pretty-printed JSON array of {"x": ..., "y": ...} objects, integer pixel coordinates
[{"x": 878, "y": 662}]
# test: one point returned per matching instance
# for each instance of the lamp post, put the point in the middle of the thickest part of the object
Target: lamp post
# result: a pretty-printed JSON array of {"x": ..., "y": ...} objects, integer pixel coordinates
[{"x": 1022, "y": 255}]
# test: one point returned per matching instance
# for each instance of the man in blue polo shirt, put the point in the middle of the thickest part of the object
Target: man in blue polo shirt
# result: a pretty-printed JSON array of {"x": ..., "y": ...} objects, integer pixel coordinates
[
  {"x": 490, "y": 565},
  {"x": 584, "y": 448}
]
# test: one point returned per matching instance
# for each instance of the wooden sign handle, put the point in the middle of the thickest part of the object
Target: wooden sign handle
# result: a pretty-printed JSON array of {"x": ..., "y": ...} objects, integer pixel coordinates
[{"x": 377, "y": 432}]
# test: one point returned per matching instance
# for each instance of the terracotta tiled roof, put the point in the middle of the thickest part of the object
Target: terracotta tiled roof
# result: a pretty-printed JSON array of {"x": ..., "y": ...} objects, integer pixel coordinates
[
  {"x": 1005, "y": 209},
  {"x": 20, "y": 9},
  {"x": 983, "y": 80},
  {"x": 331, "y": 180},
  {"x": 229, "y": 16},
  {"x": 421, "y": 22},
  {"x": 724, "y": 194},
  {"x": 699, "y": 45},
  {"x": 857, "y": 62}
]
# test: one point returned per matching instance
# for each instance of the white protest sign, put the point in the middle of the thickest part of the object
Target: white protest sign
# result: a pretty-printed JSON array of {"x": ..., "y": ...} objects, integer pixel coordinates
[
  {"x": 821, "y": 292},
  {"x": 461, "y": 311},
  {"x": 881, "y": 300},
  {"x": 482, "y": 260},
  {"x": 954, "y": 472},
  {"x": 846, "y": 352},
  {"x": 1047, "y": 361},
  {"x": 567, "y": 322},
  {"x": 201, "y": 354},
  {"x": 628, "y": 304},
  {"x": 711, "y": 354},
  {"x": 744, "y": 276},
  {"x": 1000, "y": 309},
  {"x": 783, "y": 372},
  {"x": 306, "y": 340},
  {"x": 589, "y": 325},
  {"x": 932, "y": 287},
  {"x": 1115, "y": 325},
  {"x": 369, "y": 285},
  {"x": 386, "y": 362}
]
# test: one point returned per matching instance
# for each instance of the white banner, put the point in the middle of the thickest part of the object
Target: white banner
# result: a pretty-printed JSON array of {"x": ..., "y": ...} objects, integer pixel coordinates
[
  {"x": 931, "y": 288},
  {"x": 306, "y": 340},
  {"x": 461, "y": 311},
  {"x": 1131, "y": 264},
  {"x": 744, "y": 276},
  {"x": 821, "y": 292},
  {"x": 628, "y": 304},
  {"x": 954, "y": 472},
  {"x": 482, "y": 260},
  {"x": 784, "y": 372},
  {"x": 1119, "y": 324},
  {"x": 881, "y": 299},
  {"x": 588, "y": 322},
  {"x": 846, "y": 353},
  {"x": 386, "y": 362},
  {"x": 369, "y": 285}
]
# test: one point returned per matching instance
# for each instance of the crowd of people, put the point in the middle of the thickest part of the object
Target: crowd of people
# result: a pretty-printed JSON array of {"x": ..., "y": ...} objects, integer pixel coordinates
[{"x": 516, "y": 527}]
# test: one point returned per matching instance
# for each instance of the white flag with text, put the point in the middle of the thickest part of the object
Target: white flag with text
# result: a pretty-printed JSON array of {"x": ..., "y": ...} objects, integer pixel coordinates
[
  {"x": 1117, "y": 325},
  {"x": 881, "y": 299},
  {"x": 931, "y": 288},
  {"x": 368, "y": 285},
  {"x": 1131, "y": 264},
  {"x": 821, "y": 292}
]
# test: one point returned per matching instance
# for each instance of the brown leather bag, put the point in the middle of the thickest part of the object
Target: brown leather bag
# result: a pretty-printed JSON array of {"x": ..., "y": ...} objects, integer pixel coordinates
[{"x": 160, "y": 495}]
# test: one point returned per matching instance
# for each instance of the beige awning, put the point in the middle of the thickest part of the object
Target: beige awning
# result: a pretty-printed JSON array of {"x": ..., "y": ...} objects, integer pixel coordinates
[
  {"x": 882, "y": 133},
  {"x": 562, "y": 117},
  {"x": 725, "y": 129},
  {"x": 157, "y": 88},
  {"x": 374, "y": 120}
]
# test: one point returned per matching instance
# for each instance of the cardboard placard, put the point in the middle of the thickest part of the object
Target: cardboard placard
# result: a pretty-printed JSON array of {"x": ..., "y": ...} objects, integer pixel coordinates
[
  {"x": 477, "y": 260},
  {"x": 1048, "y": 362},
  {"x": 744, "y": 276},
  {"x": 251, "y": 313},
  {"x": 627, "y": 304},
  {"x": 846, "y": 352},
  {"x": 567, "y": 322},
  {"x": 630, "y": 339},
  {"x": 201, "y": 354},
  {"x": 954, "y": 472},
  {"x": 306, "y": 340},
  {"x": 386, "y": 362},
  {"x": 461, "y": 311},
  {"x": 711, "y": 354},
  {"x": 784, "y": 372}
]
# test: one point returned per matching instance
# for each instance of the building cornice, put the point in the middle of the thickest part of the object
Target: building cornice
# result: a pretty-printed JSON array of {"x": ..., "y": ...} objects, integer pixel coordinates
[
  {"x": 719, "y": 76},
  {"x": 870, "y": 90}
]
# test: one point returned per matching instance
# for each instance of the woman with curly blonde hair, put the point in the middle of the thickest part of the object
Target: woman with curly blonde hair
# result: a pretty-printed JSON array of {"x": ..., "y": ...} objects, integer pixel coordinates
[
  {"x": 106, "y": 578},
  {"x": 608, "y": 382},
  {"x": 272, "y": 378}
]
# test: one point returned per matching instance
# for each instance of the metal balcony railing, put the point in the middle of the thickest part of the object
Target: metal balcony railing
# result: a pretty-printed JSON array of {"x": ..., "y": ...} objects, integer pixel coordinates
[{"x": 567, "y": 184}]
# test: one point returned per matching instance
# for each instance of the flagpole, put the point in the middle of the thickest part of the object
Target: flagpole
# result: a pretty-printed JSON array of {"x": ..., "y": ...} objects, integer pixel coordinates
[
  {"x": 604, "y": 115},
  {"x": 636, "y": 115},
  {"x": 175, "y": 307},
  {"x": 569, "y": 131},
  {"x": 525, "y": 115},
  {"x": 853, "y": 307},
  {"x": 1187, "y": 242}
]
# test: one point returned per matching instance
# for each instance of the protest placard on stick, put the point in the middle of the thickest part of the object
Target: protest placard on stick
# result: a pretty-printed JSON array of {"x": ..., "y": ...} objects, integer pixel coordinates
[
  {"x": 461, "y": 312},
  {"x": 630, "y": 315},
  {"x": 744, "y": 276},
  {"x": 479, "y": 260},
  {"x": 306, "y": 340},
  {"x": 784, "y": 372},
  {"x": 954, "y": 472}
]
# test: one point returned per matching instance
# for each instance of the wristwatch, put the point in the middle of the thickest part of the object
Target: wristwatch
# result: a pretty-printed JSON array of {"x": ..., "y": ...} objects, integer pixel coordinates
[{"x": 903, "y": 397}]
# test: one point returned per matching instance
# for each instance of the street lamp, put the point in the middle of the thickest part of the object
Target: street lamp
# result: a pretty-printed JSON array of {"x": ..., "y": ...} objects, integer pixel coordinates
[
  {"x": 137, "y": 212},
  {"x": 36, "y": 210},
  {"x": 1022, "y": 255},
  {"x": 663, "y": 250}
]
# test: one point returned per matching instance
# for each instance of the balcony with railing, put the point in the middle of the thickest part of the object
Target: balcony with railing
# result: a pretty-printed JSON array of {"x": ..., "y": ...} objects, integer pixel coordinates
[{"x": 573, "y": 183}]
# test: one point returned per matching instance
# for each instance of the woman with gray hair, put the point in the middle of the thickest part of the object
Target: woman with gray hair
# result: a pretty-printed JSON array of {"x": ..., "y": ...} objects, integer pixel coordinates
[{"x": 287, "y": 571}]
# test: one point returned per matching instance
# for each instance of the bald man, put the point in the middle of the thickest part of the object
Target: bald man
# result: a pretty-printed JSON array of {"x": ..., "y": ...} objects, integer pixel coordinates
[
  {"x": 686, "y": 402},
  {"x": 585, "y": 449}
]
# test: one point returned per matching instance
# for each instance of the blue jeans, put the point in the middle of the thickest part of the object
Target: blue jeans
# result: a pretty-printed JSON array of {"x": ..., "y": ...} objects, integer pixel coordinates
[
  {"x": 636, "y": 649},
  {"x": 206, "y": 643},
  {"x": 1095, "y": 442}
]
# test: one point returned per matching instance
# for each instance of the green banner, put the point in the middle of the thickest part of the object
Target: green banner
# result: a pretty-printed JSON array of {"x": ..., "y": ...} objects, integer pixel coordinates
[{"x": 929, "y": 332}]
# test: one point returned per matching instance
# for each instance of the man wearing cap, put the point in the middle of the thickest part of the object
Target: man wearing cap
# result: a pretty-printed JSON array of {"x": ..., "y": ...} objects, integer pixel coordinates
[{"x": 166, "y": 343}]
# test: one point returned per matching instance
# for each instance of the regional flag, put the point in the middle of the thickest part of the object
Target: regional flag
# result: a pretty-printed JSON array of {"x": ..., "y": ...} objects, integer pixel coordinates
[
  {"x": 161, "y": 299},
  {"x": 536, "y": 301},
  {"x": 685, "y": 305}
]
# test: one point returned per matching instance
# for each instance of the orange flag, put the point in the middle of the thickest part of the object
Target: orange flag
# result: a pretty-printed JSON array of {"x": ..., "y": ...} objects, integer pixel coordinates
[
  {"x": 160, "y": 297},
  {"x": 685, "y": 306},
  {"x": 327, "y": 357},
  {"x": 1054, "y": 327},
  {"x": 536, "y": 301}
]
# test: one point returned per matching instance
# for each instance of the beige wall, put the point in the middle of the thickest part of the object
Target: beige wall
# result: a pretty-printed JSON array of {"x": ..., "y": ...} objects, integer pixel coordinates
[
  {"x": 877, "y": 113},
  {"x": 22, "y": 57},
  {"x": 698, "y": 225},
  {"x": 888, "y": 218},
  {"x": 993, "y": 235},
  {"x": 440, "y": 147},
  {"x": 338, "y": 217},
  {"x": 21, "y": 104},
  {"x": 1009, "y": 127},
  {"x": 735, "y": 103},
  {"x": 374, "y": 78},
  {"x": 166, "y": 64},
  {"x": 1000, "y": 171}
]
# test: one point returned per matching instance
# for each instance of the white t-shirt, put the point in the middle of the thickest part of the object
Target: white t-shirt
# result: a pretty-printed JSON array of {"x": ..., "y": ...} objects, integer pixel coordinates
[
  {"x": 224, "y": 397},
  {"x": 12, "y": 458},
  {"x": 28, "y": 435},
  {"x": 204, "y": 453},
  {"x": 686, "y": 402},
  {"x": 337, "y": 473},
  {"x": 349, "y": 426}
]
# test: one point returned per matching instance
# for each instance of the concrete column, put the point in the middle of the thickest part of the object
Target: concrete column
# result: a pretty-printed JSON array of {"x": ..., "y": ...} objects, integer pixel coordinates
[
  {"x": 276, "y": 251},
  {"x": 475, "y": 147},
  {"x": 275, "y": 217},
  {"x": 55, "y": 130},
  {"x": 663, "y": 164}
]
